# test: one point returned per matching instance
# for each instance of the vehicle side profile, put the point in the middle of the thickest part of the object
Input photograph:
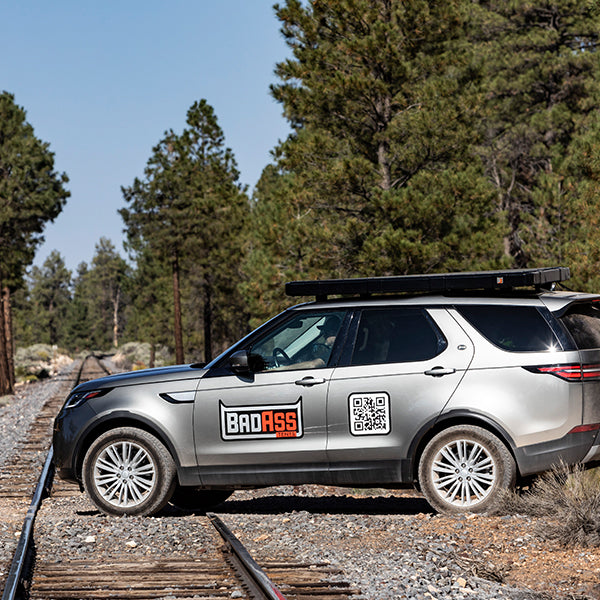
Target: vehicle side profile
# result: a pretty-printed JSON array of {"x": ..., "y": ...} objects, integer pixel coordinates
[{"x": 463, "y": 384}]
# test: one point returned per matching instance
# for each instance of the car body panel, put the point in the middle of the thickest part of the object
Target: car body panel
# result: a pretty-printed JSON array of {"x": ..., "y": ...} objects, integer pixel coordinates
[{"x": 353, "y": 423}]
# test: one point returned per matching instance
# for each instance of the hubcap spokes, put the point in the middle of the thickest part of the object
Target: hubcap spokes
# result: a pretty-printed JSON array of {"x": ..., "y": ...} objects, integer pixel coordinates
[
  {"x": 463, "y": 473},
  {"x": 124, "y": 474}
]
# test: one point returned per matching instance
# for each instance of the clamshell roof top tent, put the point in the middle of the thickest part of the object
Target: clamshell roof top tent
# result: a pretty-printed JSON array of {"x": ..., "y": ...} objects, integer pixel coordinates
[{"x": 543, "y": 278}]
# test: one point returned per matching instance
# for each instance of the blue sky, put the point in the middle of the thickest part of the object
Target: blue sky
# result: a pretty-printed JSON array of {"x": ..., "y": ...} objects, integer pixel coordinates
[{"x": 102, "y": 81}]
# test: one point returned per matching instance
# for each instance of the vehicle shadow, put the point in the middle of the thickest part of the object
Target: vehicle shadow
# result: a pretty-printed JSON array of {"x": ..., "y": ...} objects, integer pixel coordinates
[
  {"x": 276, "y": 503},
  {"x": 332, "y": 504}
]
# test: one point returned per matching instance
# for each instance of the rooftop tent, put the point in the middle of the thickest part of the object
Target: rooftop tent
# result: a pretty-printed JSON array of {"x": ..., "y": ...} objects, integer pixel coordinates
[{"x": 433, "y": 283}]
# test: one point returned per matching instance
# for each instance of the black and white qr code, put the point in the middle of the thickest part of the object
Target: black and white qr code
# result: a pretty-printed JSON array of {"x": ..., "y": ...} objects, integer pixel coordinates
[{"x": 369, "y": 413}]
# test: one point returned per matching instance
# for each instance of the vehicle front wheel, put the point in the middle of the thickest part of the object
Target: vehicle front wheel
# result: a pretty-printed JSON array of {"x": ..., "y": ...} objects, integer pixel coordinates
[
  {"x": 128, "y": 471},
  {"x": 195, "y": 498},
  {"x": 466, "y": 468}
]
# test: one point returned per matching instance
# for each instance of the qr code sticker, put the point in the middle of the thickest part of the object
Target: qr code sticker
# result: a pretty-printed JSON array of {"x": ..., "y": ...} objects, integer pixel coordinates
[{"x": 369, "y": 413}]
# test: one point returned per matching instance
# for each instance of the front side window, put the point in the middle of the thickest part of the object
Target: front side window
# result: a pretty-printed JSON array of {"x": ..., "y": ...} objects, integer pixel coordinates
[
  {"x": 305, "y": 341},
  {"x": 583, "y": 323},
  {"x": 394, "y": 335},
  {"x": 512, "y": 328}
]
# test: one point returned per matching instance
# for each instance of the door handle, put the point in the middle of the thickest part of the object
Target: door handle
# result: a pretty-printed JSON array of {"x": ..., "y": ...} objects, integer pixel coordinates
[
  {"x": 308, "y": 381},
  {"x": 439, "y": 372}
]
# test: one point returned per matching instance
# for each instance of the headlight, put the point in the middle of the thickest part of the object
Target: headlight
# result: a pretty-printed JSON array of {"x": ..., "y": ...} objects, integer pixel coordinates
[{"x": 77, "y": 398}]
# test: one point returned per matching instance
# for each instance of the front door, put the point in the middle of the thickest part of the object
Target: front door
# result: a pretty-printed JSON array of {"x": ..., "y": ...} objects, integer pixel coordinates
[{"x": 268, "y": 426}]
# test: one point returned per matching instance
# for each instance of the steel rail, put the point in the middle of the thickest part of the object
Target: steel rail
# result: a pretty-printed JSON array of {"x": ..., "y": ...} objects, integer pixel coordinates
[
  {"x": 15, "y": 574},
  {"x": 251, "y": 571}
]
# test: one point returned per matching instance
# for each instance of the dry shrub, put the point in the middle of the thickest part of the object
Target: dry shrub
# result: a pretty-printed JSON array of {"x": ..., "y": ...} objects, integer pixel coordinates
[
  {"x": 567, "y": 500},
  {"x": 136, "y": 355},
  {"x": 39, "y": 362}
]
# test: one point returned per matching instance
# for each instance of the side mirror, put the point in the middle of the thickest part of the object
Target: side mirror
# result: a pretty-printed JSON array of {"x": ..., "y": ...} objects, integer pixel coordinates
[{"x": 238, "y": 362}]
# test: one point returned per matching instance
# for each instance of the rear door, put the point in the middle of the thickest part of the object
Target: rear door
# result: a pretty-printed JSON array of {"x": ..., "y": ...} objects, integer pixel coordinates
[{"x": 404, "y": 366}]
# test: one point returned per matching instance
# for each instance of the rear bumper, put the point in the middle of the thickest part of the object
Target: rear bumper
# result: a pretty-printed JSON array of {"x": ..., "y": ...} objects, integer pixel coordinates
[
  {"x": 593, "y": 454},
  {"x": 573, "y": 448}
]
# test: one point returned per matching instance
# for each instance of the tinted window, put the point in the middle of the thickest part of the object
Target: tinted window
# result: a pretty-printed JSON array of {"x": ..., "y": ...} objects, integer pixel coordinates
[
  {"x": 513, "y": 328},
  {"x": 583, "y": 323},
  {"x": 396, "y": 335}
]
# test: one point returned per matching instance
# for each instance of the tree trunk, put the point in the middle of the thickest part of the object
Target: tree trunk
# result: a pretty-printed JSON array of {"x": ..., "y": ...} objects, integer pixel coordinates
[
  {"x": 116, "y": 300},
  {"x": 10, "y": 342},
  {"x": 6, "y": 377},
  {"x": 207, "y": 322},
  {"x": 384, "y": 113},
  {"x": 177, "y": 309},
  {"x": 152, "y": 355}
]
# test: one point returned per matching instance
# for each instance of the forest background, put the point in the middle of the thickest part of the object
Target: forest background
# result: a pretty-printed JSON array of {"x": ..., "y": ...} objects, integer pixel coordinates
[{"x": 426, "y": 137}]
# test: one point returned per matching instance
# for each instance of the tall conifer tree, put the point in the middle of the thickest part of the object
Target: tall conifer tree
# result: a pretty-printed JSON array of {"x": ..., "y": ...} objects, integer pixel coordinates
[
  {"x": 31, "y": 194},
  {"x": 381, "y": 99},
  {"x": 189, "y": 211},
  {"x": 50, "y": 296},
  {"x": 542, "y": 91}
]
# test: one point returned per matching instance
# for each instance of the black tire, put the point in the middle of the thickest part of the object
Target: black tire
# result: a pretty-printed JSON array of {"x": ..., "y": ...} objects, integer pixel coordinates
[
  {"x": 466, "y": 468},
  {"x": 128, "y": 471},
  {"x": 198, "y": 499}
]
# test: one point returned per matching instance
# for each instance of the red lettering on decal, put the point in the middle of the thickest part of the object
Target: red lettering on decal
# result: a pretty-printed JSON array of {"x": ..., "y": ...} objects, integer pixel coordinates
[
  {"x": 286, "y": 434},
  {"x": 291, "y": 422},
  {"x": 267, "y": 421},
  {"x": 279, "y": 421}
]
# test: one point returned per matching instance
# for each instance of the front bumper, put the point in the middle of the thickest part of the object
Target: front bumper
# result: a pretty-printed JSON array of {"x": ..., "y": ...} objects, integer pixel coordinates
[{"x": 66, "y": 440}]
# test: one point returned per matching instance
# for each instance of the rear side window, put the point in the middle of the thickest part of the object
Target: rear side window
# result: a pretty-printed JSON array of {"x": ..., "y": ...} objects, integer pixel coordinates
[
  {"x": 512, "y": 328},
  {"x": 583, "y": 323},
  {"x": 393, "y": 335}
]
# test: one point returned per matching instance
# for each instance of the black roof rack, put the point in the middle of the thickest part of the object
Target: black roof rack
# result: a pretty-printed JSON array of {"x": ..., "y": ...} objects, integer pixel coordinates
[{"x": 433, "y": 283}]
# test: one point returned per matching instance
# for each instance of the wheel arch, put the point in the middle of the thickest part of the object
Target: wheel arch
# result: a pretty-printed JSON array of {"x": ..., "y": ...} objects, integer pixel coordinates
[
  {"x": 112, "y": 421},
  {"x": 450, "y": 419}
]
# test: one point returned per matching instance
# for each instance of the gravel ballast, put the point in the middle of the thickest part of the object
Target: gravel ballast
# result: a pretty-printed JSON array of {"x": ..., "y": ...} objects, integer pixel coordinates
[{"x": 388, "y": 545}]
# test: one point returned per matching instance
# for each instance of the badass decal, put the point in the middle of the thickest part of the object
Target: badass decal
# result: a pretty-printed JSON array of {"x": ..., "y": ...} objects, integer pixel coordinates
[
  {"x": 369, "y": 413},
  {"x": 261, "y": 422}
]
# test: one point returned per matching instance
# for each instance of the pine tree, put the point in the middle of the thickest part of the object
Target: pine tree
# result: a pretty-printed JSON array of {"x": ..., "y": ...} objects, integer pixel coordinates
[
  {"x": 578, "y": 235},
  {"x": 150, "y": 301},
  {"x": 381, "y": 96},
  {"x": 189, "y": 211},
  {"x": 106, "y": 283},
  {"x": 79, "y": 322},
  {"x": 540, "y": 66},
  {"x": 31, "y": 194},
  {"x": 50, "y": 297}
]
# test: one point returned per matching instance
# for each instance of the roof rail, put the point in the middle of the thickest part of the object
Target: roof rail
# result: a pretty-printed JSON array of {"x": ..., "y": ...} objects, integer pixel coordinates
[{"x": 542, "y": 278}]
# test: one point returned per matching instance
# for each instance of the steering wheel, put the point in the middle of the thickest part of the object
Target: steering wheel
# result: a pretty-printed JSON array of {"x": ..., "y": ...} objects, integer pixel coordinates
[{"x": 281, "y": 358}]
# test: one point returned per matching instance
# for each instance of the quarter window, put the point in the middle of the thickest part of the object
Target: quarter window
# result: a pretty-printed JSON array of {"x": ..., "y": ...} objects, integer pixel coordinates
[
  {"x": 583, "y": 323},
  {"x": 396, "y": 335},
  {"x": 512, "y": 328}
]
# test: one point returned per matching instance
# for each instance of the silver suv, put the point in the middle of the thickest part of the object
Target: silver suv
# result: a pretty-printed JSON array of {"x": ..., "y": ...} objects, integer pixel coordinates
[{"x": 462, "y": 384}]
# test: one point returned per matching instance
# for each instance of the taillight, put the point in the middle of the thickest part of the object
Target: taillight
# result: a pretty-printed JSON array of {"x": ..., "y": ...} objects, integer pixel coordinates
[
  {"x": 591, "y": 371},
  {"x": 585, "y": 428},
  {"x": 572, "y": 372}
]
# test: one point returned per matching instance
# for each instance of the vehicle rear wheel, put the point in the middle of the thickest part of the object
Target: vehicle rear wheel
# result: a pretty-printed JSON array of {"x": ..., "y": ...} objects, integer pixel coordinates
[
  {"x": 128, "y": 471},
  {"x": 195, "y": 498},
  {"x": 466, "y": 468}
]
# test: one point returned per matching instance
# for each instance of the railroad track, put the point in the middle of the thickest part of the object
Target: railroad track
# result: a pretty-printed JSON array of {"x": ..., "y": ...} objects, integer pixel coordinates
[
  {"x": 220, "y": 568},
  {"x": 20, "y": 474}
]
